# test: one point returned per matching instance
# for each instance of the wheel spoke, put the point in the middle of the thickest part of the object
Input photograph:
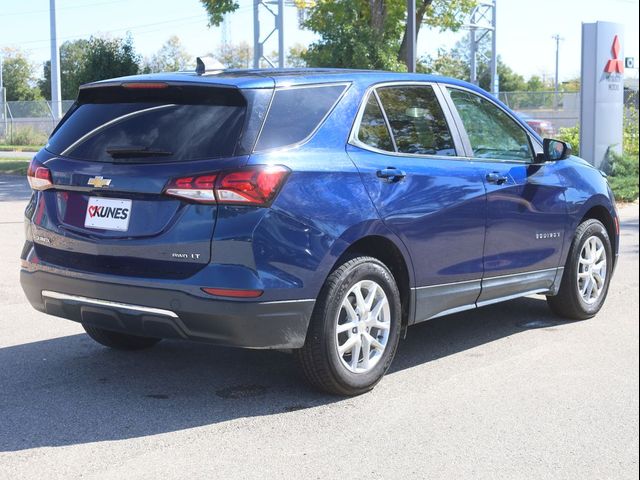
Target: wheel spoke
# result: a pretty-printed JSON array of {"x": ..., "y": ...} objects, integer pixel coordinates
[
  {"x": 351, "y": 313},
  {"x": 355, "y": 353},
  {"x": 375, "y": 343},
  {"x": 345, "y": 327},
  {"x": 360, "y": 303},
  {"x": 371, "y": 296},
  {"x": 586, "y": 284},
  {"x": 366, "y": 351},
  {"x": 600, "y": 265},
  {"x": 375, "y": 312},
  {"x": 380, "y": 325},
  {"x": 599, "y": 280},
  {"x": 349, "y": 344},
  {"x": 589, "y": 289}
]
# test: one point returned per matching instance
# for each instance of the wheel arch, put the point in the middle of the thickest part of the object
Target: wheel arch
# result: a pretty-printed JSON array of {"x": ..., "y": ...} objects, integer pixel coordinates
[
  {"x": 392, "y": 255},
  {"x": 603, "y": 214}
]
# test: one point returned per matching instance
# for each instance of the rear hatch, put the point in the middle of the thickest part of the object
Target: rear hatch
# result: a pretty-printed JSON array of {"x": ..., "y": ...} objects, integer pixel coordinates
[{"x": 110, "y": 161}]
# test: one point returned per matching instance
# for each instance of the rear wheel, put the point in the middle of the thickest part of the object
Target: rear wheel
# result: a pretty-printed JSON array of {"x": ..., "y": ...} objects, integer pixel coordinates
[
  {"x": 587, "y": 273},
  {"x": 119, "y": 341},
  {"x": 354, "y": 330}
]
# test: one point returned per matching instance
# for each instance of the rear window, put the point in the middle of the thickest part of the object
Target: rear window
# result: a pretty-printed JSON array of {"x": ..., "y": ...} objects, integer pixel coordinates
[
  {"x": 295, "y": 113},
  {"x": 162, "y": 127}
]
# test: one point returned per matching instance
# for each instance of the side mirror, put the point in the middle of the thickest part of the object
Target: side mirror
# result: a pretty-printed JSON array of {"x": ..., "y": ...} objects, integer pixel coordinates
[{"x": 554, "y": 150}]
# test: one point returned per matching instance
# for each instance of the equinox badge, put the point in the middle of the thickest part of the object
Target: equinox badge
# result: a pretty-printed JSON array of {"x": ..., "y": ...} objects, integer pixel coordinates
[{"x": 99, "y": 182}]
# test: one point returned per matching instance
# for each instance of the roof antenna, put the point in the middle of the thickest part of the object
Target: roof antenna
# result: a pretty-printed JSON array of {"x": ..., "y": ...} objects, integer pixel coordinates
[{"x": 208, "y": 64}]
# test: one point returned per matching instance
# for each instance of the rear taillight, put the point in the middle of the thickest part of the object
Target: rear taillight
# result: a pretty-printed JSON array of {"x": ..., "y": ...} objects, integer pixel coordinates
[
  {"x": 198, "y": 188},
  {"x": 39, "y": 177},
  {"x": 256, "y": 186}
]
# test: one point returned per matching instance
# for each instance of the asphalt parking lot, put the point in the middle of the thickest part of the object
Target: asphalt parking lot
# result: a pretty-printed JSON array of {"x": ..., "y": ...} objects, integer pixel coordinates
[{"x": 508, "y": 391}]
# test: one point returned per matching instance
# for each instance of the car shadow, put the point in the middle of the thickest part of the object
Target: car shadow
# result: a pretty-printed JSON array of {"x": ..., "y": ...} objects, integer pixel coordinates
[{"x": 69, "y": 390}]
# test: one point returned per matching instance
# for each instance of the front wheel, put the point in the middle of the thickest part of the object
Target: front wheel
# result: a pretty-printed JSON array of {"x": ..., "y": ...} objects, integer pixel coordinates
[
  {"x": 354, "y": 330},
  {"x": 587, "y": 273}
]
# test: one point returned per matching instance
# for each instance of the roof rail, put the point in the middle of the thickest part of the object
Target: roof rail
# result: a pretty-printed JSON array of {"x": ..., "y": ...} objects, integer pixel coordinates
[{"x": 208, "y": 64}]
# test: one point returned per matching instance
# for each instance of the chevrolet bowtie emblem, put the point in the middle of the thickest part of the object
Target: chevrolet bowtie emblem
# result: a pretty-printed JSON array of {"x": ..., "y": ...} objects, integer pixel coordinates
[{"x": 99, "y": 182}]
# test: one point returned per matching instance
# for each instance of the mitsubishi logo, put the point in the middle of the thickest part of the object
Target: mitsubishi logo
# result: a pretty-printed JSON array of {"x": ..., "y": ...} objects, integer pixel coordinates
[
  {"x": 615, "y": 65},
  {"x": 99, "y": 182}
]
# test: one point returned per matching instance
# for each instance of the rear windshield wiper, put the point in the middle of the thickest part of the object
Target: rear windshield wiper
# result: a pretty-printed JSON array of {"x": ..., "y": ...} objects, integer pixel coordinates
[{"x": 137, "y": 152}]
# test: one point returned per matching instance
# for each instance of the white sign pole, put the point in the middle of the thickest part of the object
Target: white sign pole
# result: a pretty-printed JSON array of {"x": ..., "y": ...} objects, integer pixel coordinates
[{"x": 602, "y": 91}]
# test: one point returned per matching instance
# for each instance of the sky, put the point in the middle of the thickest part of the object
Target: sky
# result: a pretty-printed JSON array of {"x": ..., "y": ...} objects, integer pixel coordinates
[{"x": 524, "y": 32}]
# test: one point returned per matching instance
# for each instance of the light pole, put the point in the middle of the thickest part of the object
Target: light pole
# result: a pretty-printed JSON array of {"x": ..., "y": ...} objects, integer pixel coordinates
[
  {"x": 56, "y": 103},
  {"x": 556, "y": 89},
  {"x": 3, "y": 100},
  {"x": 411, "y": 36}
]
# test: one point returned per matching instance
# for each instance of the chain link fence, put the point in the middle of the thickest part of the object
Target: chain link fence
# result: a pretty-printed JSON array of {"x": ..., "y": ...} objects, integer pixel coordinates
[{"x": 28, "y": 122}]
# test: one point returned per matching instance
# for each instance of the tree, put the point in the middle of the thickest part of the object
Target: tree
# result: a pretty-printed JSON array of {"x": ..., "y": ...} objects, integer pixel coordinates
[
  {"x": 72, "y": 59},
  {"x": 447, "y": 63},
  {"x": 18, "y": 76},
  {"x": 455, "y": 63},
  {"x": 440, "y": 14},
  {"x": 84, "y": 61},
  {"x": 356, "y": 34},
  {"x": 216, "y": 9},
  {"x": 235, "y": 56},
  {"x": 372, "y": 33},
  {"x": 295, "y": 57},
  {"x": 108, "y": 58},
  {"x": 171, "y": 57}
]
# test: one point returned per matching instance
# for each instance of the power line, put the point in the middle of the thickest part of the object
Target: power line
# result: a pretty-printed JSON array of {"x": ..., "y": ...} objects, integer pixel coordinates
[
  {"x": 125, "y": 29},
  {"x": 69, "y": 7}
]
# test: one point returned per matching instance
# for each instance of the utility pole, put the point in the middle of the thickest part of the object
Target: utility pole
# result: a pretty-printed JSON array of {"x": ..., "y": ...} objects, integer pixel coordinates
[
  {"x": 56, "y": 103},
  {"x": 556, "y": 90},
  {"x": 259, "y": 39},
  {"x": 411, "y": 36},
  {"x": 482, "y": 22},
  {"x": 3, "y": 99}
]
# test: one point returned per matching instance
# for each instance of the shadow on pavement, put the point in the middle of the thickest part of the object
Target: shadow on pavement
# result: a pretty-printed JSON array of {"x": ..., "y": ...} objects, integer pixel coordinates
[
  {"x": 69, "y": 390},
  {"x": 13, "y": 188}
]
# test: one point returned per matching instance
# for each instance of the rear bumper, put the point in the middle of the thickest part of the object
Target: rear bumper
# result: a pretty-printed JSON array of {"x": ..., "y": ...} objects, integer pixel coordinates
[{"x": 164, "y": 313}]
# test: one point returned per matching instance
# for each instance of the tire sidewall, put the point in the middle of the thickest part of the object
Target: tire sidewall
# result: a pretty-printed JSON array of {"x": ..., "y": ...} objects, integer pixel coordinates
[{"x": 377, "y": 272}]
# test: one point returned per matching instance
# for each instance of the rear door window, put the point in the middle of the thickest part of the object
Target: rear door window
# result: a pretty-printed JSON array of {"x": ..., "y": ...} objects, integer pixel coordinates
[
  {"x": 417, "y": 121},
  {"x": 295, "y": 113},
  {"x": 113, "y": 128},
  {"x": 373, "y": 129}
]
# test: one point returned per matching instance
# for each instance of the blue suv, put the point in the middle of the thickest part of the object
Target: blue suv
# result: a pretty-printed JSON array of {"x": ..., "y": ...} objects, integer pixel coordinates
[{"x": 318, "y": 211}]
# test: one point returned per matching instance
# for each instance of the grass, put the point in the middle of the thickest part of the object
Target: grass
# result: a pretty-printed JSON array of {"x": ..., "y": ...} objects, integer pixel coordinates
[
  {"x": 18, "y": 148},
  {"x": 13, "y": 166}
]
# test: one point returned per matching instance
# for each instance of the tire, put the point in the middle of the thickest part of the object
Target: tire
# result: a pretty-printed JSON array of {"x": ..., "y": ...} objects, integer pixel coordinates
[
  {"x": 333, "y": 325},
  {"x": 571, "y": 301},
  {"x": 119, "y": 341}
]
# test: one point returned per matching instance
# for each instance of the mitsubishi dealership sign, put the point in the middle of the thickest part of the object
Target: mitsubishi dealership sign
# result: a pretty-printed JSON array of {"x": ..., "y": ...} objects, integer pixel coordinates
[{"x": 602, "y": 94}]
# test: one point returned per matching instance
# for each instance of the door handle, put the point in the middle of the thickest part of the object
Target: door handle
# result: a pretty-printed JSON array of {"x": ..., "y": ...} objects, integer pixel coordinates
[
  {"x": 495, "y": 177},
  {"x": 391, "y": 174}
]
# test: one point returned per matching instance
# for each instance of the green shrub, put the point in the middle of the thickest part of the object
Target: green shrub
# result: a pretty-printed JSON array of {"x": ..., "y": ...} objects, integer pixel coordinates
[
  {"x": 630, "y": 132},
  {"x": 28, "y": 136},
  {"x": 571, "y": 135},
  {"x": 623, "y": 178}
]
